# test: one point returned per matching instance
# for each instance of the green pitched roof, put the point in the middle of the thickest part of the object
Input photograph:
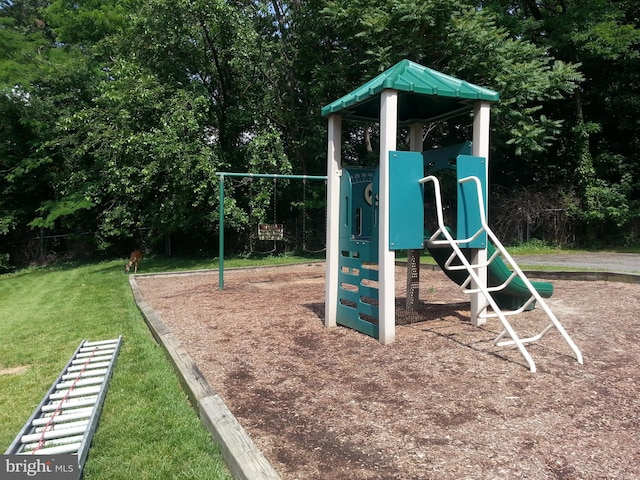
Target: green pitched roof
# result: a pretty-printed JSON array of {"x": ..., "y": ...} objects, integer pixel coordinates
[{"x": 424, "y": 95}]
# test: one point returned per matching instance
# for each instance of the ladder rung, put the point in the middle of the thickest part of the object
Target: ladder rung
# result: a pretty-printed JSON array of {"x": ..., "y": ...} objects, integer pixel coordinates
[
  {"x": 97, "y": 348},
  {"x": 80, "y": 383},
  {"x": 71, "y": 403},
  {"x": 62, "y": 418},
  {"x": 87, "y": 373},
  {"x": 100, "y": 342},
  {"x": 82, "y": 361},
  {"x": 535, "y": 338},
  {"x": 49, "y": 434},
  {"x": 96, "y": 353},
  {"x": 61, "y": 426},
  {"x": 58, "y": 450},
  {"x": 76, "y": 368},
  {"x": 54, "y": 442},
  {"x": 78, "y": 392}
]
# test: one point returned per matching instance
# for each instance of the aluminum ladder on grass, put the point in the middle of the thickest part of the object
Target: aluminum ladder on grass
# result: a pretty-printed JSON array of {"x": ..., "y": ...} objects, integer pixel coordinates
[
  {"x": 481, "y": 287},
  {"x": 67, "y": 417}
]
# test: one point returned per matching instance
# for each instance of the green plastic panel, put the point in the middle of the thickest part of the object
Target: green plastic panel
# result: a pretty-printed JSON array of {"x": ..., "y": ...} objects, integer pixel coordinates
[
  {"x": 406, "y": 199},
  {"x": 444, "y": 157},
  {"x": 468, "y": 205},
  {"x": 358, "y": 275},
  {"x": 357, "y": 288},
  {"x": 356, "y": 203}
]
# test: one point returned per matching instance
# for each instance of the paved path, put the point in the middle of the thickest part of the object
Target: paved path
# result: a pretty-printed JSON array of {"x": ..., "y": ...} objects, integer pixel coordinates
[{"x": 600, "y": 261}]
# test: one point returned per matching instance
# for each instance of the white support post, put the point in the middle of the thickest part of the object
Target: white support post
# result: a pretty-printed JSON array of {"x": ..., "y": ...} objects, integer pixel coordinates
[
  {"x": 480, "y": 148},
  {"x": 415, "y": 137},
  {"x": 334, "y": 172},
  {"x": 413, "y": 256},
  {"x": 386, "y": 257}
]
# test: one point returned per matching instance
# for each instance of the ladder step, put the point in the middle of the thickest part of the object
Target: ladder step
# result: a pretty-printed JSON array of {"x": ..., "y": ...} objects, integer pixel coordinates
[
  {"x": 80, "y": 383},
  {"x": 61, "y": 426},
  {"x": 82, "y": 361},
  {"x": 97, "y": 347},
  {"x": 77, "y": 368},
  {"x": 62, "y": 418},
  {"x": 59, "y": 450},
  {"x": 71, "y": 403},
  {"x": 48, "y": 435},
  {"x": 95, "y": 352},
  {"x": 54, "y": 442},
  {"x": 78, "y": 392},
  {"x": 100, "y": 342},
  {"x": 83, "y": 374}
]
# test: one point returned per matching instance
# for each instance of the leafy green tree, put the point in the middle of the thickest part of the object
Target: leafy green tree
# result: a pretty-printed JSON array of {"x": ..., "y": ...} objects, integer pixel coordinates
[
  {"x": 38, "y": 80},
  {"x": 466, "y": 42},
  {"x": 600, "y": 148},
  {"x": 210, "y": 48},
  {"x": 115, "y": 115}
]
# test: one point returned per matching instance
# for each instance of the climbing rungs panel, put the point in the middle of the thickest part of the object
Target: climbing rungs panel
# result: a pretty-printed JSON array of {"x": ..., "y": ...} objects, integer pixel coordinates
[{"x": 67, "y": 417}]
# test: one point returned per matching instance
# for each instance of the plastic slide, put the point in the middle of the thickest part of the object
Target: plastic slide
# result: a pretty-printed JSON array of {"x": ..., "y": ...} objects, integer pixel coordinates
[{"x": 514, "y": 295}]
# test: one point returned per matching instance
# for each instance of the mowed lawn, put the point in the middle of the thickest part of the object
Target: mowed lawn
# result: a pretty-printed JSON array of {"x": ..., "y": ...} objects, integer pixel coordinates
[{"x": 148, "y": 429}]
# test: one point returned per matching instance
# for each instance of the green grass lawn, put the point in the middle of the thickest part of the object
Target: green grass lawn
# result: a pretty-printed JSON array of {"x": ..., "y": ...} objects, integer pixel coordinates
[{"x": 148, "y": 429}]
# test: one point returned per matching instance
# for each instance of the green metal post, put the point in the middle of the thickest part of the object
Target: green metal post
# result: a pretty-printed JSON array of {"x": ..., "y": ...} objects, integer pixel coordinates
[{"x": 221, "y": 236}]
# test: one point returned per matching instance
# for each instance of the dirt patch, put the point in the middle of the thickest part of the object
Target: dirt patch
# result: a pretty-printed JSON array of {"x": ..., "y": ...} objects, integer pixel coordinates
[
  {"x": 442, "y": 402},
  {"x": 14, "y": 370}
]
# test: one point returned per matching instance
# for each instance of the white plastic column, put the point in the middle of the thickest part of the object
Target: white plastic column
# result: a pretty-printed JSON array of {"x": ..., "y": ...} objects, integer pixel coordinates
[
  {"x": 480, "y": 148},
  {"x": 334, "y": 172},
  {"x": 415, "y": 137},
  {"x": 386, "y": 257}
]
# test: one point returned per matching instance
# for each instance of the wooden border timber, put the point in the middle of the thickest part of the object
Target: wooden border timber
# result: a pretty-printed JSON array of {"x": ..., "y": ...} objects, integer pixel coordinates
[{"x": 244, "y": 459}]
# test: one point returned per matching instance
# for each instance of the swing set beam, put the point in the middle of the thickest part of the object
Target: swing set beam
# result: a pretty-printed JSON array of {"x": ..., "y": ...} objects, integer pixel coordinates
[{"x": 221, "y": 176}]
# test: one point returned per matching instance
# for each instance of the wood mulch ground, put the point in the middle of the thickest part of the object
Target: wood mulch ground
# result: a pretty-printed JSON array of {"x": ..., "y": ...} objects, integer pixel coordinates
[{"x": 441, "y": 402}]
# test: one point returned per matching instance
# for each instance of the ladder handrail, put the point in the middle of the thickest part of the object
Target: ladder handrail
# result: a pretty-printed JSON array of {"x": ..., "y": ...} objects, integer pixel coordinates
[
  {"x": 471, "y": 270},
  {"x": 473, "y": 275},
  {"x": 503, "y": 251}
]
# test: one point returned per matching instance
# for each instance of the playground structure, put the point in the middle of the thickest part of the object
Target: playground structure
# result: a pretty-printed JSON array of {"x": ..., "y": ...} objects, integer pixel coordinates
[{"x": 373, "y": 212}]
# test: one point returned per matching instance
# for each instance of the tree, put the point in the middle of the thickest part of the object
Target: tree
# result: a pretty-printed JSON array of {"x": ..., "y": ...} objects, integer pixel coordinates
[
  {"x": 38, "y": 80},
  {"x": 466, "y": 42},
  {"x": 602, "y": 37}
]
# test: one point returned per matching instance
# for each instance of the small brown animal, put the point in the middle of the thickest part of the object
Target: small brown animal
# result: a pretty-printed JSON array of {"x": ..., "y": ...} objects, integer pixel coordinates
[{"x": 135, "y": 257}]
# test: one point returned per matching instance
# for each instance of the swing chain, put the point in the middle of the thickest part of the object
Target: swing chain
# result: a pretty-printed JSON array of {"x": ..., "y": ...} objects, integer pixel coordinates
[
  {"x": 304, "y": 214},
  {"x": 275, "y": 199}
]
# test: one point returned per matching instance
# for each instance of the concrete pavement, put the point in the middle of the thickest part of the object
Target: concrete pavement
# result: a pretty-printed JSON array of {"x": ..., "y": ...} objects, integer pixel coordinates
[{"x": 597, "y": 261}]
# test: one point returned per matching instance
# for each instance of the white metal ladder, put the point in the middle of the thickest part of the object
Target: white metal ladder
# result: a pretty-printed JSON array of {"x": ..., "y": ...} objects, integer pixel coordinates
[
  {"x": 479, "y": 286},
  {"x": 66, "y": 419}
]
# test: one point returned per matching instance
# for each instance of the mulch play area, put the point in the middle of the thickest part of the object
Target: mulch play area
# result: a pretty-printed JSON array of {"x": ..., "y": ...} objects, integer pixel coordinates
[{"x": 441, "y": 402}]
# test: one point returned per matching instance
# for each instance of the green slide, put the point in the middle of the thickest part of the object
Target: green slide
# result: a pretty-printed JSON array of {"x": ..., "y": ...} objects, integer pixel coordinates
[{"x": 514, "y": 295}]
